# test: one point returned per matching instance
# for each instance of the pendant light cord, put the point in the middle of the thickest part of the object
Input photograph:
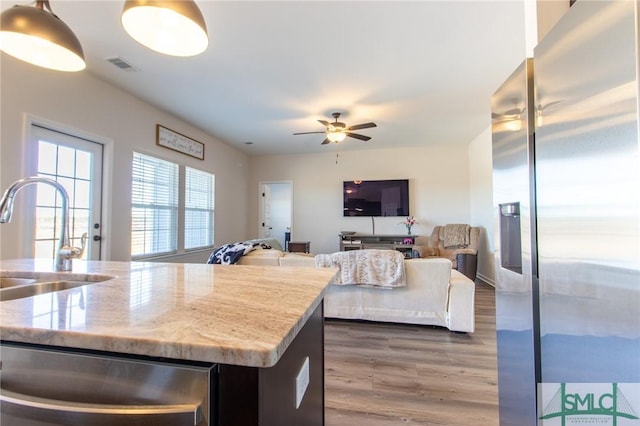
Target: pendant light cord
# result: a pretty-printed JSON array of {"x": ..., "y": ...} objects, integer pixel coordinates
[
  {"x": 44, "y": 4},
  {"x": 41, "y": 4}
]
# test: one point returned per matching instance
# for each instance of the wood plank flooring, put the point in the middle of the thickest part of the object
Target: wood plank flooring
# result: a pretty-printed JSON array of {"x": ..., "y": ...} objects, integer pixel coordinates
[{"x": 379, "y": 374}]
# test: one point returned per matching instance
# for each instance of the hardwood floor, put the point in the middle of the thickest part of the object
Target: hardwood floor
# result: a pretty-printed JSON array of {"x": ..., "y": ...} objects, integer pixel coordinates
[{"x": 390, "y": 374}]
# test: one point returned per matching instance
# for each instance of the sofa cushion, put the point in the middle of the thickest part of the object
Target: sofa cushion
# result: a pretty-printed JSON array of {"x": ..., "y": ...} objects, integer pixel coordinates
[
  {"x": 262, "y": 257},
  {"x": 264, "y": 252},
  {"x": 432, "y": 276},
  {"x": 424, "y": 300},
  {"x": 297, "y": 260}
]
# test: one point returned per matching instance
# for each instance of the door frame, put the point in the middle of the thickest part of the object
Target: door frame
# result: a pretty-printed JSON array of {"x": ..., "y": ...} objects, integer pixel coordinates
[
  {"x": 30, "y": 165},
  {"x": 260, "y": 204}
]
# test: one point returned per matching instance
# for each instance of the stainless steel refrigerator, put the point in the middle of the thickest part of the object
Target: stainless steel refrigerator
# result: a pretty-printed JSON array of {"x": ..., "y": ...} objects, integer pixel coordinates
[{"x": 567, "y": 224}]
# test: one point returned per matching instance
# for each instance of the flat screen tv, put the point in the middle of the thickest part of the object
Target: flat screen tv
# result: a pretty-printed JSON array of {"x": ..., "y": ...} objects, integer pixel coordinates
[{"x": 376, "y": 197}]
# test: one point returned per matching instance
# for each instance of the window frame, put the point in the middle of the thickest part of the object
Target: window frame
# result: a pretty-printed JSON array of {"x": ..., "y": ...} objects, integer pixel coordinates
[{"x": 181, "y": 209}]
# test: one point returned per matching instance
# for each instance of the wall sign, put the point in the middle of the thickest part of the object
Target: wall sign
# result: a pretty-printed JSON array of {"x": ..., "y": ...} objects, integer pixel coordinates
[{"x": 178, "y": 142}]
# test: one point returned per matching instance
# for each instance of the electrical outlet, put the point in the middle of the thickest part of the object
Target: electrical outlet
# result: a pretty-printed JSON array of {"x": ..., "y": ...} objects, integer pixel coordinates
[{"x": 302, "y": 382}]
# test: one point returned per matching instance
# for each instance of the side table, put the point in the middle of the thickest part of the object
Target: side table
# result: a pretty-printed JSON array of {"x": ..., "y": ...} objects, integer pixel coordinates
[{"x": 299, "y": 246}]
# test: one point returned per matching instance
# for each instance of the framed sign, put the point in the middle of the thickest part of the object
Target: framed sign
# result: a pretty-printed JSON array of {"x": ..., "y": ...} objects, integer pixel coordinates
[{"x": 178, "y": 142}]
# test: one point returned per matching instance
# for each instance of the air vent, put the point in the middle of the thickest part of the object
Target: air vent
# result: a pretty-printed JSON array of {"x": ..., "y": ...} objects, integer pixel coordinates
[{"x": 121, "y": 63}]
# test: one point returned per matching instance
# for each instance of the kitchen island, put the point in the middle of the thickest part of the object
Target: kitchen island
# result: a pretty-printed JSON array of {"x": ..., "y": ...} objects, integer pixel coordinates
[{"x": 260, "y": 326}]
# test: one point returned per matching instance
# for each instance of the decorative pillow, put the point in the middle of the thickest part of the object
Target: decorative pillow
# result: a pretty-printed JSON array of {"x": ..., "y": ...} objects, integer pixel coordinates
[{"x": 230, "y": 254}]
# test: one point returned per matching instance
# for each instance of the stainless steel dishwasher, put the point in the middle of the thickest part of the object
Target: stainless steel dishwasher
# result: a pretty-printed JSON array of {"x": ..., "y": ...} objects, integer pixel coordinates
[{"x": 54, "y": 387}]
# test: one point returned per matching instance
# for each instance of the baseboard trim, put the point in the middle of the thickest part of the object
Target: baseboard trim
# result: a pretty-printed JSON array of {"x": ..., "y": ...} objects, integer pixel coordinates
[{"x": 486, "y": 280}]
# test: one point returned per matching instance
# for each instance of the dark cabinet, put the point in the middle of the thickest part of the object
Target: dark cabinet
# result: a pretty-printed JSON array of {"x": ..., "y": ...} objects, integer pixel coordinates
[{"x": 267, "y": 396}]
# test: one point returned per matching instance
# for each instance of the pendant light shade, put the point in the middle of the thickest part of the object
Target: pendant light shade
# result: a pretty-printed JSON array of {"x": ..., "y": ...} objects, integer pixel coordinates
[
  {"x": 39, "y": 37},
  {"x": 174, "y": 28}
]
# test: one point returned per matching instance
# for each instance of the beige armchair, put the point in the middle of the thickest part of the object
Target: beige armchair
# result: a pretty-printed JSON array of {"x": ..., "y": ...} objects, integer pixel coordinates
[{"x": 456, "y": 242}]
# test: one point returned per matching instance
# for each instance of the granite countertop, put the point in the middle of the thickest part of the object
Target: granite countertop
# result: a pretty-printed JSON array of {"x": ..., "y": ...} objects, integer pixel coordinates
[{"x": 231, "y": 314}]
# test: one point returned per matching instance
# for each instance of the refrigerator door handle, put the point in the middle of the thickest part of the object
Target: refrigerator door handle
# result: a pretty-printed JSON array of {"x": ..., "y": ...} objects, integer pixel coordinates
[{"x": 80, "y": 413}]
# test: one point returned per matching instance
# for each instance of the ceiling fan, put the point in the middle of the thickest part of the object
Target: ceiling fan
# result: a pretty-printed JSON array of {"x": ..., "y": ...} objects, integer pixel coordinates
[{"x": 337, "y": 131}]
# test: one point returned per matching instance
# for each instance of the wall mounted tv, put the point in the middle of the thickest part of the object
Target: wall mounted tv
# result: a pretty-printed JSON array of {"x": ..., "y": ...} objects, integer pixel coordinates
[{"x": 376, "y": 197}]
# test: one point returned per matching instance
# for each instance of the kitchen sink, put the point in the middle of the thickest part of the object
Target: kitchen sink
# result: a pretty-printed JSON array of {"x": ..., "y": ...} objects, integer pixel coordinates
[
  {"x": 6, "y": 282},
  {"x": 16, "y": 284}
]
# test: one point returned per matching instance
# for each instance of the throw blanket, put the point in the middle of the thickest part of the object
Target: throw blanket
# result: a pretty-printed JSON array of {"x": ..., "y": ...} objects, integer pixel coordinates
[
  {"x": 377, "y": 268},
  {"x": 229, "y": 254},
  {"x": 456, "y": 236}
]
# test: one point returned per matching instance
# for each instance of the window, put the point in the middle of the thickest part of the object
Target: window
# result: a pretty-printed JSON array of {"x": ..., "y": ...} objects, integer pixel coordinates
[
  {"x": 160, "y": 189},
  {"x": 198, "y": 208},
  {"x": 154, "y": 210}
]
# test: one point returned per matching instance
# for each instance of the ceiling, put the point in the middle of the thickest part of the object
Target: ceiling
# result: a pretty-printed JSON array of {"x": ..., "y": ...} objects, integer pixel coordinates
[{"x": 424, "y": 71}]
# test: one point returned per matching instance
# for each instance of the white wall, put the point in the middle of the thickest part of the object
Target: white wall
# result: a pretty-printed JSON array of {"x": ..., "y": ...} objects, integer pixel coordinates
[
  {"x": 447, "y": 183},
  {"x": 81, "y": 101},
  {"x": 438, "y": 180}
]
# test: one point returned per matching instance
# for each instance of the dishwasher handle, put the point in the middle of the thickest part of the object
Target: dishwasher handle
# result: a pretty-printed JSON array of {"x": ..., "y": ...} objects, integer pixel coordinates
[{"x": 55, "y": 412}]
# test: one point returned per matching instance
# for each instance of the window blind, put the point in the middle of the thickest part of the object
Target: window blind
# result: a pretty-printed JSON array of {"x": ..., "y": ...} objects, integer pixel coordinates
[
  {"x": 199, "y": 208},
  {"x": 154, "y": 199}
]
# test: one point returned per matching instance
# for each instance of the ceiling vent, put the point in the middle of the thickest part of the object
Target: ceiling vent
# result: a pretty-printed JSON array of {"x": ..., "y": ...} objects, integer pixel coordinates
[{"x": 121, "y": 63}]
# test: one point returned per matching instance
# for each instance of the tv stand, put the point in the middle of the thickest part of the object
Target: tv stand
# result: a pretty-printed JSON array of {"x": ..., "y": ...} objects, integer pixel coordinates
[{"x": 402, "y": 243}]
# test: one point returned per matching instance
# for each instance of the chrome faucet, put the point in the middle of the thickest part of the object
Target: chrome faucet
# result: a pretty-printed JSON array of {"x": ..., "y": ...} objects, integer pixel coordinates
[{"x": 64, "y": 253}]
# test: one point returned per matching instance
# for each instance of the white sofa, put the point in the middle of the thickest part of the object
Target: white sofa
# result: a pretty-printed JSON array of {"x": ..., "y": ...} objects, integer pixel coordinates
[{"x": 434, "y": 295}]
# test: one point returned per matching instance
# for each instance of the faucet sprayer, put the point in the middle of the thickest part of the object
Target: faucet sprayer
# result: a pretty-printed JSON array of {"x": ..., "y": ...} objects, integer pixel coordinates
[{"x": 65, "y": 253}]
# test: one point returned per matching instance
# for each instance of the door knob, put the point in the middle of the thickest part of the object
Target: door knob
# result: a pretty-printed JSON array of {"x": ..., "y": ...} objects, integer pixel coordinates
[{"x": 97, "y": 238}]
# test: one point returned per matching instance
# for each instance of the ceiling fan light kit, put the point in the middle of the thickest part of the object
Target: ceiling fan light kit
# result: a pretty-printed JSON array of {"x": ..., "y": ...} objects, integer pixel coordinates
[
  {"x": 39, "y": 37},
  {"x": 336, "y": 136},
  {"x": 337, "y": 131}
]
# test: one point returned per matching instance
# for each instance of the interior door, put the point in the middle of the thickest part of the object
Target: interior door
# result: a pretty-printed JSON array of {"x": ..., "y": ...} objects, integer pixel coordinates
[
  {"x": 275, "y": 210},
  {"x": 265, "y": 203},
  {"x": 76, "y": 163}
]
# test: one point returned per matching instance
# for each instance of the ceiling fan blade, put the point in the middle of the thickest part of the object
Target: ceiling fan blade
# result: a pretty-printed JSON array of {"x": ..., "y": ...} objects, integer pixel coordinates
[
  {"x": 362, "y": 126},
  {"x": 324, "y": 123},
  {"x": 308, "y": 133},
  {"x": 357, "y": 136},
  {"x": 324, "y": 142}
]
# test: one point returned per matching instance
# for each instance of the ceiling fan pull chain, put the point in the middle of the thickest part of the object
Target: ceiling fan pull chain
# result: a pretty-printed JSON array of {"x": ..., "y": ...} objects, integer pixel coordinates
[{"x": 336, "y": 158}]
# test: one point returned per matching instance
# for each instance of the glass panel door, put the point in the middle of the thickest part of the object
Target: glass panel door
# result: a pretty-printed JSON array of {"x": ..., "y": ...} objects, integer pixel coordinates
[{"x": 76, "y": 163}]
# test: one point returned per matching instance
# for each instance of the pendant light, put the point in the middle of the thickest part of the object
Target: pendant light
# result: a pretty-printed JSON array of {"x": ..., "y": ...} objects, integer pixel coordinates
[
  {"x": 39, "y": 37},
  {"x": 174, "y": 28}
]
